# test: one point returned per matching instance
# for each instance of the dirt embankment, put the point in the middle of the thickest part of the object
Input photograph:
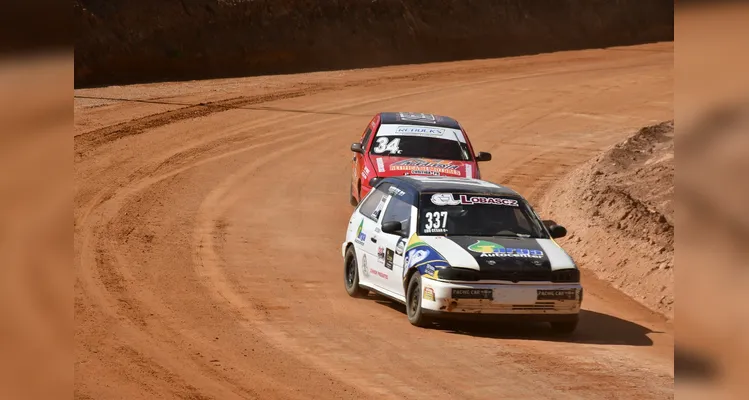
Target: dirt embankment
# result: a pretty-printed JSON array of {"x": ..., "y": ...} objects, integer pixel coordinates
[
  {"x": 128, "y": 41},
  {"x": 619, "y": 211}
]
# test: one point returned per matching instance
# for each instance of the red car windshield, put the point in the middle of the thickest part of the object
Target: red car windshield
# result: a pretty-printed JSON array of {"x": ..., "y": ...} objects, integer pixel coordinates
[{"x": 421, "y": 147}]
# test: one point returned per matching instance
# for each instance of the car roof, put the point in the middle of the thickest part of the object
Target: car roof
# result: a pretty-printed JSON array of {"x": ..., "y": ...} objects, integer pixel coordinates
[
  {"x": 410, "y": 118},
  {"x": 429, "y": 184}
]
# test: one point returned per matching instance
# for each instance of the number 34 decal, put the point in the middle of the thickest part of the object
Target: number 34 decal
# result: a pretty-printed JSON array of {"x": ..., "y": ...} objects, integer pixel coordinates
[{"x": 391, "y": 147}]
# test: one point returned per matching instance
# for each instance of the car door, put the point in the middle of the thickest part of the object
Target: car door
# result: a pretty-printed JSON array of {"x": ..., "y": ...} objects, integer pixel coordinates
[
  {"x": 366, "y": 236},
  {"x": 391, "y": 247}
]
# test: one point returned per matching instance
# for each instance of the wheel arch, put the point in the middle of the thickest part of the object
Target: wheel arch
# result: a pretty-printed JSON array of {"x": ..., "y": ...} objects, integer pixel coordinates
[
  {"x": 349, "y": 245},
  {"x": 409, "y": 274}
]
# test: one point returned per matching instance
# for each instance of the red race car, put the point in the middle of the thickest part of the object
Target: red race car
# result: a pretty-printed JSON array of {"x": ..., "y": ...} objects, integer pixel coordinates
[{"x": 400, "y": 143}]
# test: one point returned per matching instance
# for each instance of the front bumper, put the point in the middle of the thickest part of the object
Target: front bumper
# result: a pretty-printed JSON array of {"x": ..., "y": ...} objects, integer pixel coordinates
[{"x": 520, "y": 299}]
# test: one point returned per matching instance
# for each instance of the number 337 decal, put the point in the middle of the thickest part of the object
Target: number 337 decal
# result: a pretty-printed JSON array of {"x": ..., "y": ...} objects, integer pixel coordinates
[
  {"x": 435, "y": 222},
  {"x": 384, "y": 144}
]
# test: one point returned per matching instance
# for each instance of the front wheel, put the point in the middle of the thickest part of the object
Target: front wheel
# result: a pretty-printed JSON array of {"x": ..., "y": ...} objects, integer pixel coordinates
[
  {"x": 351, "y": 199},
  {"x": 413, "y": 303},
  {"x": 351, "y": 275}
]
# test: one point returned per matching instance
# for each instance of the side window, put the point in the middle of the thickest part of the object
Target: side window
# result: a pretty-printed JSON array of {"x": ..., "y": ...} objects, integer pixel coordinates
[
  {"x": 365, "y": 139},
  {"x": 373, "y": 204},
  {"x": 399, "y": 210}
]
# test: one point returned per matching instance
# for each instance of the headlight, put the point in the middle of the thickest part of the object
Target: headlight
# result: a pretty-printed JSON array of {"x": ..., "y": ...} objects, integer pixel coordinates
[
  {"x": 457, "y": 274},
  {"x": 569, "y": 275}
]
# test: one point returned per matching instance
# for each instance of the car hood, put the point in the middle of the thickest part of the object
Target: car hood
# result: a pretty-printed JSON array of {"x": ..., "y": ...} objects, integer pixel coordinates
[
  {"x": 398, "y": 166},
  {"x": 499, "y": 253}
]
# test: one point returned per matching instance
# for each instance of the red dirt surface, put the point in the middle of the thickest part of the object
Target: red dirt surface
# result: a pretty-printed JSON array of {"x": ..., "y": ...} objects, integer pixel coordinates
[
  {"x": 130, "y": 41},
  {"x": 619, "y": 208},
  {"x": 209, "y": 217}
]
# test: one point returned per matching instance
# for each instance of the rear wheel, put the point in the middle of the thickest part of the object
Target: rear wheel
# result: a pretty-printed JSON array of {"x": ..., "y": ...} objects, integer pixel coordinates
[
  {"x": 413, "y": 303},
  {"x": 564, "y": 327},
  {"x": 351, "y": 275}
]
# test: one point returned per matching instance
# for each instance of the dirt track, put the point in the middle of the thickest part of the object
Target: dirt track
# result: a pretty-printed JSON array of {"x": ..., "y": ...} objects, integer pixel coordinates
[{"x": 208, "y": 236}]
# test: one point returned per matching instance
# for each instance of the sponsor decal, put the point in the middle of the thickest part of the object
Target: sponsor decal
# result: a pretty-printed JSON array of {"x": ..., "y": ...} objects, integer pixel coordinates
[
  {"x": 389, "y": 255},
  {"x": 378, "y": 209},
  {"x": 360, "y": 236},
  {"x": 380, "y": 165},
  {"x": 380, "y": 254},
  {"x": 416, "y": 256},
  {"x": 422, "y": 172},
  {"x": 429, "y": 270},
  {"x": 419, "y": 254},
  {"x": 428, "y": 294},
  {"x": 469, "y": 171},
  {"x": 427, "y": 165},
  {"x": 378, "y": 273},
  {"x": 448, "y": 199},
  {"x": 420, "y": 130},
  {"x": 491, "y": 249},
  {"x": 364, "y": 269},
  {"x": 365, "y": 172},
  {"x": 444, "y": 199},
  {"x": 551, "y": 294},
  {"x": 484, "y": 294},
  {"x": 394, "y": 190},
  {"x": 400, "y": 247}
]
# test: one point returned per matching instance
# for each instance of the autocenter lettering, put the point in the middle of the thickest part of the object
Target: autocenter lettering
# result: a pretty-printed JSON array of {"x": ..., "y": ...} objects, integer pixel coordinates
[{"x": 516, "y": 253}]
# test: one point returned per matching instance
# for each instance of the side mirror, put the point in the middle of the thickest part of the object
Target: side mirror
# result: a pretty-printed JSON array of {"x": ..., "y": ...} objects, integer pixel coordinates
[
  {"x": 374, "y": 181},
  {"x": 392, "y": 227},
  {"x": 557, "y": 231},
  {"x": 356, "y": 148},
  {"x": 483, "y": 156}
]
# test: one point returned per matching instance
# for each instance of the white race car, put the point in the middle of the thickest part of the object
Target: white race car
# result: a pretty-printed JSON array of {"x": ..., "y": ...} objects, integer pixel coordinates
[{"x": 448, "y": 246}]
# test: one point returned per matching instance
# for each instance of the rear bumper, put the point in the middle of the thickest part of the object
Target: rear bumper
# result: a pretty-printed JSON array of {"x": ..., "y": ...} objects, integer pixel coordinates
[{"x": 514, "y": 301}]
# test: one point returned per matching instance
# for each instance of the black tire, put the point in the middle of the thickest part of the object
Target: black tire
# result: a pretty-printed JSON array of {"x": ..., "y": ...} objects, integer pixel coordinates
[
  {"x": 564, "y": 327},
  {"x": 352, "y": 199},
  {"x": 413, "y": 303},
  {"x": 351, "y": 275}
]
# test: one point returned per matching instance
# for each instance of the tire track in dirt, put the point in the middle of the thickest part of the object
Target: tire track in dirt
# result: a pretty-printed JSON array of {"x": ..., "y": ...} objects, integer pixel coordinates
[
  {"x": 146, "y": 177},
  {"x": 98, "y": 137}
]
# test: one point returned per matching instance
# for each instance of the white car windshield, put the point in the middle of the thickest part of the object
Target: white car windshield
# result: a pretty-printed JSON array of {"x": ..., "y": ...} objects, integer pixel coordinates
[{"x": 467, "y": 214}]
